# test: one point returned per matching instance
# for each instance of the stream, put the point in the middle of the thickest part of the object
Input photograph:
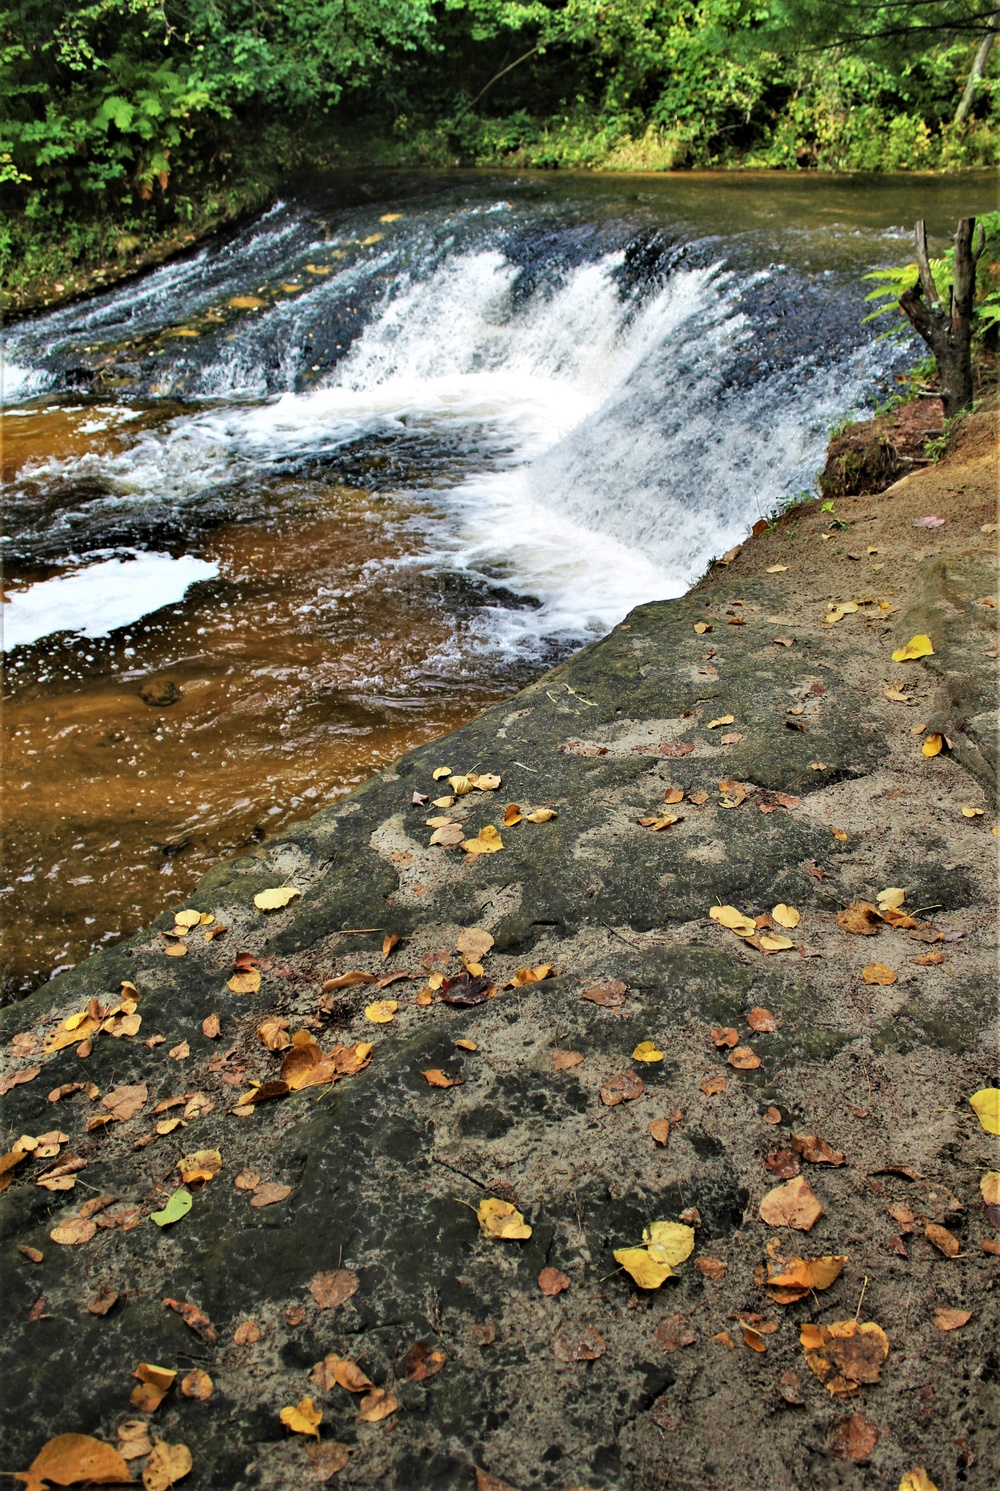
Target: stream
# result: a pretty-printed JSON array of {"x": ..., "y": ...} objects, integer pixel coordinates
[{"x": 329, "y": 485}]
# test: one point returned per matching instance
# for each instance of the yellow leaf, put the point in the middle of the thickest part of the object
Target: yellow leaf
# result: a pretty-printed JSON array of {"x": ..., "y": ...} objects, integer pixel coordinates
[
  {"x": 701, "y": 627},
  {"x": 501, "y": 1219},
  {"x": 70, "y": 1458},
  {"x": 274, "y": 899},
  {"x": 776, "y": 569},
  {"x": 197, "y": 1384},
  {"x": 487, "y": 782},
  {"x": 647, "y": 1271},
  {"x": 646, "y": 1051},
  {"x": 153, "y": 1386},
  {"x": 917, "y": 1479},
  {"x": 670, "y": 1242},
  {"x": 390, "y": 217},
  {"x": 724, "y": 719},
  {"x": 917, "y": 647},
  {"x": 317, "y": 269},
  {"x": 728, "y": 916},
  {"x": 245, "y": 983},
  {"x": 990, "y": 1187},
  {"x": 304, "y": 1418},
  {"x": 511, "y": 814},
  {"x": 785, "y": 916},
  {"x": 460, "y": 785},
  {"x": 986, "y": 1106},
  {"x": 878, "y": 973},
  {"x": 188, "y": 918},
  {"x": 487, "y": 841},
  {"x": 968, "y": 812},
  {"x": 440, "y": 772},
  {"x": 201, "y": 1165},
  {"x": 168, "y": 1464},
  {"x": 933, "y": 745},
  {"x": 372, "y": 238},
  {"x": 541, "y": 815},
  {"x": 893, "y": 896},
  {"x": 245, "y": 303},
  {"x": 382, "y": 1011},
  {"x": 773, "y": 942}
]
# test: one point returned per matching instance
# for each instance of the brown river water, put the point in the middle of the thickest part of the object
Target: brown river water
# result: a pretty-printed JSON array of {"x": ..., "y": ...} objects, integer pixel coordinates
[{"x": 254, "y": 552}]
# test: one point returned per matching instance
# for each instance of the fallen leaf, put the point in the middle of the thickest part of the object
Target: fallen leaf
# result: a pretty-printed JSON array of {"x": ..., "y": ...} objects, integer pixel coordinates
[
  {"x": 624, "y": 1088},
  {"x": 773, "y": 942},
  {"x": 420, "y": 1362},
  {"x": 698, "y": 798},
  {"x": 733, "y": 793},
  {"x": 382, "y": 1011},
  {"x": 783, "y": 1163},
  {"x": 655, "y": 824},
  {"x": 791, "y": 1205},
  {"x": 348, "y": 980},
  {"x": 168, "y": 1464},
  {"x": 735, "y": 921},
  {"x": 712, "y": 1086},
  {"x": 674, "y": 1332},
  {"x": 582, "y": 1344},
  {"x": 202, "y": 1165},
  {"x": 946, "y": 1242},
  {"x": 786, "y": 916},
  {"x": 724, "y": 719},
  {"x": 788, "y": 1387},
  {"x": 471, "y": 1046},
  {"x": 647, "y": 1051},
  {"x": 762, "y": 1021},
  {"x": 245, "y": 982},
  {"x": 725, "y": 1035},
  {"x": 772, "y": 1115},
  {"x": 327, "y": 1459},
  {"x": 701, "y": 627},
  {"x": 276, "y": 898},
  {"x": 210, "y": 1027},
  {"x": 153, "y": 1386},
  {"x": 124, "y": 1103},
  {"x": 933, "y": 744},
  {"x": 791, "y": 1279},
  {"x": 660, "y": 1130},
  {"x": 466, "y": 989},
  {"x": 564, "y": 1061},
  {"x": 725, "y": 1339},
  {"x": 487, "y": 841},
  {"x": 951, "y": 1320},
  {"x": 878, "y": 973},
  {"x": 32, "y": 1254},
  {"x": 918, "y": 646},
  {"x": 376, "y": 1406},
  {"x": 77, "y": 1230},
  {"x": 133, "y": 1436},
  {"x": 331, "y": 1288},
  {"x": 986, "y": 1105},
  {"x": 816, "y": 1150},
  {"x": 666, "y": 1244},
  {"x": 104, "y": 1300},
  {"x": 437, "y": 1078},
  {"x": 511, "y": 814},
  {"x": 852, "y": 1438},
  {"x": 917, "y": 1479},
  {"x": 273, "y": 1032},
  {"x": 710, "y": 1268},
  {"x": 303, "y": 1418},
  {"x": 861, "y": 918},
  {"x": 474, "y": 943},
  {"x": 743, "y": 1059},
  {"x": 610, "y": 995},
  {"x": 270, "y": 1193},
  {"x": 552, "y": 1281},
  {"x": 178, "y": 1205},
  {"x": 192, "y": 1317},
  {"x": 673, "y": 795},
  {"x": 531, "y": 975},
  {"x": 246, "y": 1333},
  {"x": 541, "y": 815},
  {"x": 845, "y": 1354},
  {"x": 501, "y": 1219},
  {"x": 71, "y": 1458},
  {"x": 197, "y": 1384}
]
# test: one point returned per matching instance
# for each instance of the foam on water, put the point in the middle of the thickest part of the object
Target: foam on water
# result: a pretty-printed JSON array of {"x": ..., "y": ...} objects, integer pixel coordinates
[
  {"x": 96, "y": 598},
  {"x": 629, "y": 453}
]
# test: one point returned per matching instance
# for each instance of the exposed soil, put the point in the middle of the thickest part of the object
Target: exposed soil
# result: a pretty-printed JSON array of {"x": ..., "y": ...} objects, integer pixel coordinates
[{"x": 828, "y": 799}]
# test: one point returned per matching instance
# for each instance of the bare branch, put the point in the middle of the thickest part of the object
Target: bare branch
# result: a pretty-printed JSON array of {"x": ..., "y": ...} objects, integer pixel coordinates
[{"x": 923, "y": 263}]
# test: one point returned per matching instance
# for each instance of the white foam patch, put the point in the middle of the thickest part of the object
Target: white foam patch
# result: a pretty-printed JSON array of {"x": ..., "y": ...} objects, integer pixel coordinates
[{"x": 94, "y": 600}]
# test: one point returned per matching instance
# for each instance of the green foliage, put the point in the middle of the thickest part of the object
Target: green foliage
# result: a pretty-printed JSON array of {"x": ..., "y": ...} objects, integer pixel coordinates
[
  {"x": 122, "y": 114},
  {"x": 895, "y": 280}
]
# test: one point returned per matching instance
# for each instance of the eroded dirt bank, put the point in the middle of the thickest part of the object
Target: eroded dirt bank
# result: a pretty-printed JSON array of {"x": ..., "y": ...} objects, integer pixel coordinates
[{"x": 703, "y": 1382}]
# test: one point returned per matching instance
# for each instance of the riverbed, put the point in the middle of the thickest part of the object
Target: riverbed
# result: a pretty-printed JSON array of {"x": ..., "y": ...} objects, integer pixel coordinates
[{"x": 345, "y": 476}]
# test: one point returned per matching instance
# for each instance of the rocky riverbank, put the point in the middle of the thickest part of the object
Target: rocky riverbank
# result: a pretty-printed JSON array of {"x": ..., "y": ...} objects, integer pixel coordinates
[{"x": 623, "y": 1059}]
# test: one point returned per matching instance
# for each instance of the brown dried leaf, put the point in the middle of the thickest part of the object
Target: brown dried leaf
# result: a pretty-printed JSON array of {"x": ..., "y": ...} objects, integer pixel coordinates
[
  {"x": 946, "y": 1242},
  {"x": 743, "y": 1059},
  {"x": 816, "y": 1150},
  {"x": 712, "y": 1086},
  {"x": 951, "y": 1320},
  {"x": 791, "y": 1205},
  {"x": 246, "y": 1333},
  {"x": 622, "y": 1089},
  {"x": 610, "y": 995},
  {"x": 552, "y": 1281},
  {"x": 660, "y": 1130},
  {"x": 762, "y": 1021},
  {"x": 153, "y": 1386},
  {"x": 193, "y": 1318},
  {"x": 710, "y": 1268},
  {"x": 437, "y": 1078},
  {"x": 845, "y": 1354},
  {"x": 124, "y": 1103},
  {"x": 269, "y": 1193},
  {"x": 376, "y": 1406},
  {"x": 853, "y": 1438},
  {"x": 564, "y": 1061},
  {"x": 725, "y": 1035},
  {"x": 333, "y": 1287},
  {"x": 783, "y": 1163},
  {"x": 861, "y": 918},
  {"x": 421, "y": 1362},
  {"x": 578, "y": 1344},
  {"x": 674, "y": 1332}
]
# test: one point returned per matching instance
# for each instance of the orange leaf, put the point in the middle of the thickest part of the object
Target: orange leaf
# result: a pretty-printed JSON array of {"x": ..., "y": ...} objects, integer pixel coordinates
[{"x": 70, "y": 1458}]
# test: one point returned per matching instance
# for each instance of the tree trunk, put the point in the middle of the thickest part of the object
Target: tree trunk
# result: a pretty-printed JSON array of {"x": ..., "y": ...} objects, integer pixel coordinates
[
  {"x": 947, "y": 330},
  {"x": 978, "y": 68}
]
